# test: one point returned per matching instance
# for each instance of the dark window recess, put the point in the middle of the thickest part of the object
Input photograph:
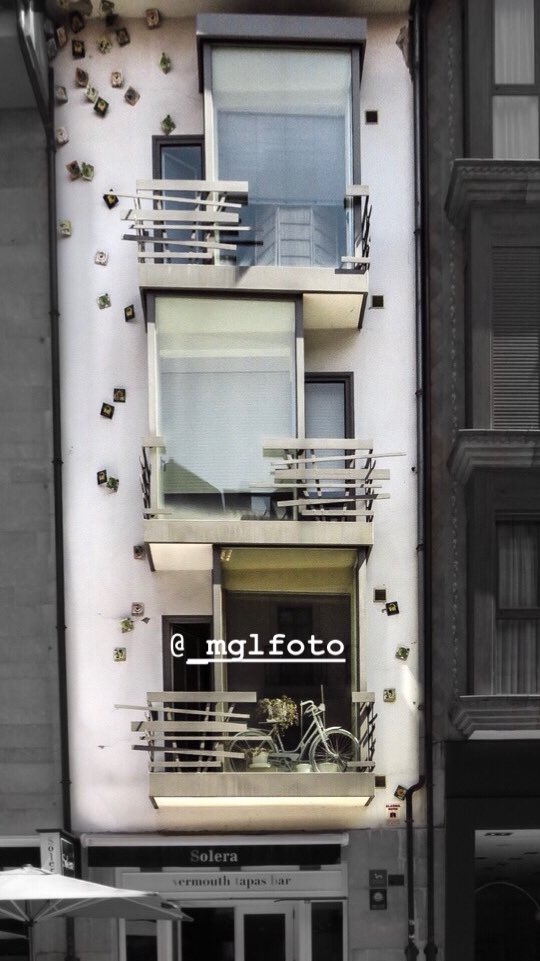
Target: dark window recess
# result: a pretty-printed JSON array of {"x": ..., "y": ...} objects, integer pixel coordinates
[
  {"x": 210, "y": 935},
  {"x": 178, "y": 675},
  {"x": 515, "y": 351},
  {"x": 296, "y": 616},
  {"x": 372, "y": 116},
  {"x": 327, "y": 931}
]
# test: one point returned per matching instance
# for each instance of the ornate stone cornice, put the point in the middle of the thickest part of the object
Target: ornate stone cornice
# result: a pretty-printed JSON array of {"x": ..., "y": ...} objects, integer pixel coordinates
[
  {"x": 492, "y": 449},
  {"x": 486, "y": 183},
  {"x": 477, "y": 713}
]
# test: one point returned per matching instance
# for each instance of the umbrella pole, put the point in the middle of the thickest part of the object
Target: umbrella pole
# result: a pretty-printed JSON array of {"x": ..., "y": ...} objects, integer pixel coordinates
[{"x": 30, "y": 936}]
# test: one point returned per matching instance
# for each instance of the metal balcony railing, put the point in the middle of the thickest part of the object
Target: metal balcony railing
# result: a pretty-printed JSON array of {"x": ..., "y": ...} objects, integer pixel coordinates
[
  {"x": 209, "y": 222},
  {"x": 194, "y": 731},
  {"x": 327, "y": 479},
  {"x": 183, "y": 221}
]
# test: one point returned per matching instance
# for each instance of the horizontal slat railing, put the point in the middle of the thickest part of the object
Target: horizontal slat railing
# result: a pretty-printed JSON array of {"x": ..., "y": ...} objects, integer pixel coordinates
[
  {"x": 325, "y": 485},
  {"x": 189, "y": 730},
  {"x": 178, "y": 221},
  {"x": 365, "y": 717}
]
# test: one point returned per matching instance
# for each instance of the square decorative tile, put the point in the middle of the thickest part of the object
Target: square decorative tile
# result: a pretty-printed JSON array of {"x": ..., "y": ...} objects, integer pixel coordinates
[
  {"x": 117, "y": 78},
  {"x": 103, "y": 301},
  {"x": 101, "y": 258},
  {"x": 131, "y": 96},
  {"x": 153, "y": 18},
  {"x": 107, "y": 410},
  {"x": 78, "y": 49},
  {"x": 101, "y": 106}
]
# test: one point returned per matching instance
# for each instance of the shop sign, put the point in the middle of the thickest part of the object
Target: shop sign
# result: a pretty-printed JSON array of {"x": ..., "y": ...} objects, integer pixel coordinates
[
  {"x": 278, "y": 882},
  {"x": 57, "y": 852}
]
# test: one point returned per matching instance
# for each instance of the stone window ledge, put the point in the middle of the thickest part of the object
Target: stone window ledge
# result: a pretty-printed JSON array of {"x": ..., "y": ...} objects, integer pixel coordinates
[
  {"x": 493, "y": 449},
  {"x": 482, "y": 183},
  {"x": 475, "y": 714}
]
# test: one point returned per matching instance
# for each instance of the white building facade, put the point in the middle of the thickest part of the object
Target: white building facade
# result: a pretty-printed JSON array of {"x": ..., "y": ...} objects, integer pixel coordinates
[{"x": 238, "y": 337}]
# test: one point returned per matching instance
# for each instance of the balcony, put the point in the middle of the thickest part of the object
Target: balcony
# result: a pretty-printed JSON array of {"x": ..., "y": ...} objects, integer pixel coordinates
[
  {"x": 194, "y": 740},
  {"x": 313, "y": 492},
  {"x": 203, "y": 235}
]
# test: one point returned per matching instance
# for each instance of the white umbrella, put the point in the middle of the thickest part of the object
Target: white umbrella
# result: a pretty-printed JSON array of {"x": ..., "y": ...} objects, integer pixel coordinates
[{"x": 31, "y": 895}]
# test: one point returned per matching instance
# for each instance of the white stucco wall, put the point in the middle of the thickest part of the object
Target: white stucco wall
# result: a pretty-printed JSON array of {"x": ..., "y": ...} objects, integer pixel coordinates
[{"x": 101, "y": 351}]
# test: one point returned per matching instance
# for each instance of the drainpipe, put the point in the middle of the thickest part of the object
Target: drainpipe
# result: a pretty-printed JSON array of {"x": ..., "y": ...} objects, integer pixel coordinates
[
  {"x": 57, "y": 475},
  {"x": 418, "y": 23},
  {"x": 411, "y": 951},
  {"x": 47, "y": 118}
]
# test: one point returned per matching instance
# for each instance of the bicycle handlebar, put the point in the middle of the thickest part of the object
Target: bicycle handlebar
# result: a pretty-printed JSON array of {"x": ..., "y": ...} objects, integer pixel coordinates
[{"x": 310, "y": 707}]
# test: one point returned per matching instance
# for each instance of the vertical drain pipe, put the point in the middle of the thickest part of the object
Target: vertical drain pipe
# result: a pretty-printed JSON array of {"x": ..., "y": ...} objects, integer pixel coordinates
[{"x": 411, "y": 951}]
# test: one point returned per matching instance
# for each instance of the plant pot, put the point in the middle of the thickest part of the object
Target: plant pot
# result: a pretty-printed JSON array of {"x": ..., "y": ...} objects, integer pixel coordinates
[{"x": 328, "y": 767}]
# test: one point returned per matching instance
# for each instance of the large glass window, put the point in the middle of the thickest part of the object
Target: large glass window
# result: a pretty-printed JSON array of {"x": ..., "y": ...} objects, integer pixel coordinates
[
  {"x": 503, "y": 79},
  {"x": 282, "y": 122},
  {"x": 226, "y": 380},
  {"x": 515, "y": 103}
]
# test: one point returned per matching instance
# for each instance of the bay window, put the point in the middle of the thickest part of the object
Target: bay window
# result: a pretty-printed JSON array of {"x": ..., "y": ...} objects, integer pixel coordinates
[
  {"x": 225, "y": 378},
  {"x": 281, "y": 118}
]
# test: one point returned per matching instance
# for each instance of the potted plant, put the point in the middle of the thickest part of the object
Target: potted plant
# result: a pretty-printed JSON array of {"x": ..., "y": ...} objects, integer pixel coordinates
[{"x": 281, "y": 711}]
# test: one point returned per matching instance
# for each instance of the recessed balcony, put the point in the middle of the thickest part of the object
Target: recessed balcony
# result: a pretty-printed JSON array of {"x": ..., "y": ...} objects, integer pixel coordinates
[
  {"x": 204, "y": 758},
  {"x": 202, "y": 235}
]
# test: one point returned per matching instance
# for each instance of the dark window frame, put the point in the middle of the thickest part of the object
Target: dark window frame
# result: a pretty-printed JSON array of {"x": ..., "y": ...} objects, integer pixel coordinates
[
  {"x": 492, "y": 496},
  {"x": 488, "y": 228},
  {"x": 167, "y": 623},
  {"x": 480, "y": 86},
  {"x": 342, "y": 377},
  {"x": 182, "y": 140}
]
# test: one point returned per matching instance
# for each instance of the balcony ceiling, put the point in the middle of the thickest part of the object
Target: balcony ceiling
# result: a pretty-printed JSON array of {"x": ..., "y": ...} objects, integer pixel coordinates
[{"x": 314, "y": 8}]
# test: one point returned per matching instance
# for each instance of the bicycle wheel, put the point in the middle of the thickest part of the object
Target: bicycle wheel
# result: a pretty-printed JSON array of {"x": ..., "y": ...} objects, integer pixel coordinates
[
  {"x": 333, "y": 746},
  {"x": 248, "y": 743}
]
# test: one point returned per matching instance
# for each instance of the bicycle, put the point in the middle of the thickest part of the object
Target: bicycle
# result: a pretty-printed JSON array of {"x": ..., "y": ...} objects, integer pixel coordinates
[{"x": 320, "y": 744}]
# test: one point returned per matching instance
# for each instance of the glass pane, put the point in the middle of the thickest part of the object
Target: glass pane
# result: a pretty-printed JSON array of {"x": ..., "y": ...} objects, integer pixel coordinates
[
  {"x": 515, "y": 128},
  {"x": 518, "y": 565},
  {"x": 264, "y": 937},
  {"x": 327, "y": 932},
  {"x": 210, "y": 937},
  {"x": 226, "y": 381},
  {"x": 282, "y": 122},
  {"x": 181, "y": 162},
  {"x": 514, "y": 41},
  {"x": 517, "y": 657},
  {"x": 325, "y": 409}
]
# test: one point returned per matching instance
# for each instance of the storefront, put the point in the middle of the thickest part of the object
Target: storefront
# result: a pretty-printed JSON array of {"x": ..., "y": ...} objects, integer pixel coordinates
[{"x": 250, "y": 898}]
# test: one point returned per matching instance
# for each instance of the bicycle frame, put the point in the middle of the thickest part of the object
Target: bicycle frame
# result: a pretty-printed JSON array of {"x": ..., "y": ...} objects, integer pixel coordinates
[{"x": 278, "y": 755}]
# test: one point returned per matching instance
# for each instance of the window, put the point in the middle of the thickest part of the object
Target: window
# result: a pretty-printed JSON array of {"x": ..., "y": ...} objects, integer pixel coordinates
[
  {"x": 517, "y": 646},
  {"x": 297, "y": 616},
  {"x": 226, "y": 379},
  {"x": 281, "y": 118},
  {"x": 504, "y": 363},
  {"x": 504, "y": 581},
  {"x": 178, "y": 158},
  {"x": 504, "y": 78}
]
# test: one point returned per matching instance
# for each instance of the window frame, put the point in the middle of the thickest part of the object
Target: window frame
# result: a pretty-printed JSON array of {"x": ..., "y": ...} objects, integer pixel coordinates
[
  {"x": 488, "y": 228},
  {"x": 480, "y": 83},
  {"x": 346, "y": 378},
  {"x": 356, "y": 51},
  {"x": 183, "y": 140},
  {"x": 492, "y": 495}
]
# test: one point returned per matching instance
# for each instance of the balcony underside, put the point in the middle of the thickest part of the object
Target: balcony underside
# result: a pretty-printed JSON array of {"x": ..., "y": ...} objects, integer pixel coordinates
[
  {"x": 271, "y": 533},
  {"x": 264, "y": 800},
  {"x": 332, "y": 300}
]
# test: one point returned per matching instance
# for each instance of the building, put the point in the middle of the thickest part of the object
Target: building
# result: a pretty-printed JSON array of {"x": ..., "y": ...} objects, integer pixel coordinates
[
  {"x": 481, "y": 70},
  {"x": 236, "y": 334}
]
